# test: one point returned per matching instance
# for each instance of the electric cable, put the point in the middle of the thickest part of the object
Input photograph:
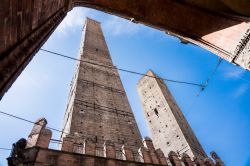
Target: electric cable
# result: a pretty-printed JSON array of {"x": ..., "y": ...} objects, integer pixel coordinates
[
  {"x": 51, "y": 128},
  {"x": 202, "y": 86},
  {"x": 120, "y": 69},
  {"x": 5, "y": 149},
  {"x": 205, "y": 84}
]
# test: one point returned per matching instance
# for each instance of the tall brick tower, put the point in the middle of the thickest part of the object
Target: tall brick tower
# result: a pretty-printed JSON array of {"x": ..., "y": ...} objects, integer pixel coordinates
[
  {"x": 99, "y": 127},
  {"x": 98, "y": 108},
  {"x": 169, "y": 129}
]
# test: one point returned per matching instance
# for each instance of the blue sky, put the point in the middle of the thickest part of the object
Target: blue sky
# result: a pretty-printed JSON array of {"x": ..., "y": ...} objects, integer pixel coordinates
[{"x": 220, "y": 117}]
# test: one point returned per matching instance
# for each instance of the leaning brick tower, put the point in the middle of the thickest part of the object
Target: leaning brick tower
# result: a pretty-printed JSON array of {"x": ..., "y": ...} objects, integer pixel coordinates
[
  {"x": 98, "y": 108},
  {"x": 99, "y": 127},
  {"x": 169, "y": 128}
]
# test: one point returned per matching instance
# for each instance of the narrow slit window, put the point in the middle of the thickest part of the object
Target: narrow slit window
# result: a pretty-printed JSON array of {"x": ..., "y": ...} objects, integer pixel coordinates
[{"x": 156, "y": 112}]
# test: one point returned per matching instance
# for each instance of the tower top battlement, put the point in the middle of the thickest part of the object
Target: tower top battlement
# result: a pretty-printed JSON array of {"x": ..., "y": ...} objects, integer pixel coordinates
[{"x": 88, "y": 19}]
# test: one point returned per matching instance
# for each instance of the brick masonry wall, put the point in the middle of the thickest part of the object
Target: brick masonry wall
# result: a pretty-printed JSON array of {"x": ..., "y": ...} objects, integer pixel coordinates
[
  {"x": 20, "y": 17},
  {"x": 169, "y": 129},
  {"x": 98, "y": 107},
  {"x": 41, "y": 156}
]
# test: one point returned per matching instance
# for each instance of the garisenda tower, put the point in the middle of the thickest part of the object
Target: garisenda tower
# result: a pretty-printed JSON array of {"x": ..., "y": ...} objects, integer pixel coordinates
[{"x": 168, "y": 126}]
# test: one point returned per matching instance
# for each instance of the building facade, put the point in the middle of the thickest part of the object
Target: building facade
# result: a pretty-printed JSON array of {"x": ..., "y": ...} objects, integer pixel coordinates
[
  {"x": 170, "y": 130},
  {"x": 99, "y": 127},
  {"x": 98, "y": 107}
]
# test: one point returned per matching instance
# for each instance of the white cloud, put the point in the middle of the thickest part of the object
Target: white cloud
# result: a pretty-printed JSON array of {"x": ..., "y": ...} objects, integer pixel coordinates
[
  {"x": 241, "y": 90},
  {"x": 118, "y": 26},
  {"x": 234, "y": 73},
  {"x": 74, "y": 19}
]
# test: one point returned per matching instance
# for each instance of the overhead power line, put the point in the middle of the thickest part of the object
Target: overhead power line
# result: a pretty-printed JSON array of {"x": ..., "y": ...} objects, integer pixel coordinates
[
  {"x": 5, "y": 149},
  {"x": 57, "y": 130},
  {"x": 204, "y": 86},
  {"x": 29, "y": 121},
  {"x": 124, "y": 70},
  {"x": 51, "y": 128},
  {"x": 213, "y": 72}
]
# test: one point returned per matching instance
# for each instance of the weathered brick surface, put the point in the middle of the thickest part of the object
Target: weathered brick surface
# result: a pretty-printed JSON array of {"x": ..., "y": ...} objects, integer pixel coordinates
[
  {"x": 20, "y": 40},
  {"x": 41, "y": 157},
  {"x": 98, "y": 108},
  {"x": 161, "y": 157},
  {"x": 187, "y": 160},
  {"x": 20, "y": 19},
  {"x": 146, "y": 155},
  {"x": 189, "y": 21},
  {"x": 39, "y": 136},
  {"x": 169, "y": 128},
  {"x": 174, "y": 159}
]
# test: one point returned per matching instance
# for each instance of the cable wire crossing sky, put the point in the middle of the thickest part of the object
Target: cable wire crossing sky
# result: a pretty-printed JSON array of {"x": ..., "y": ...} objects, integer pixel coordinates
[{"x": 219, "y": 116}]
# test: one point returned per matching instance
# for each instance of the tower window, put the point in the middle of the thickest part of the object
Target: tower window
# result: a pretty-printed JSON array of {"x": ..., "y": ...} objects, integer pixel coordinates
[
  {"x": 168, "y": 143},
  {"x": 148, "y": 114},
  {"x": 156, "y": 112}
]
